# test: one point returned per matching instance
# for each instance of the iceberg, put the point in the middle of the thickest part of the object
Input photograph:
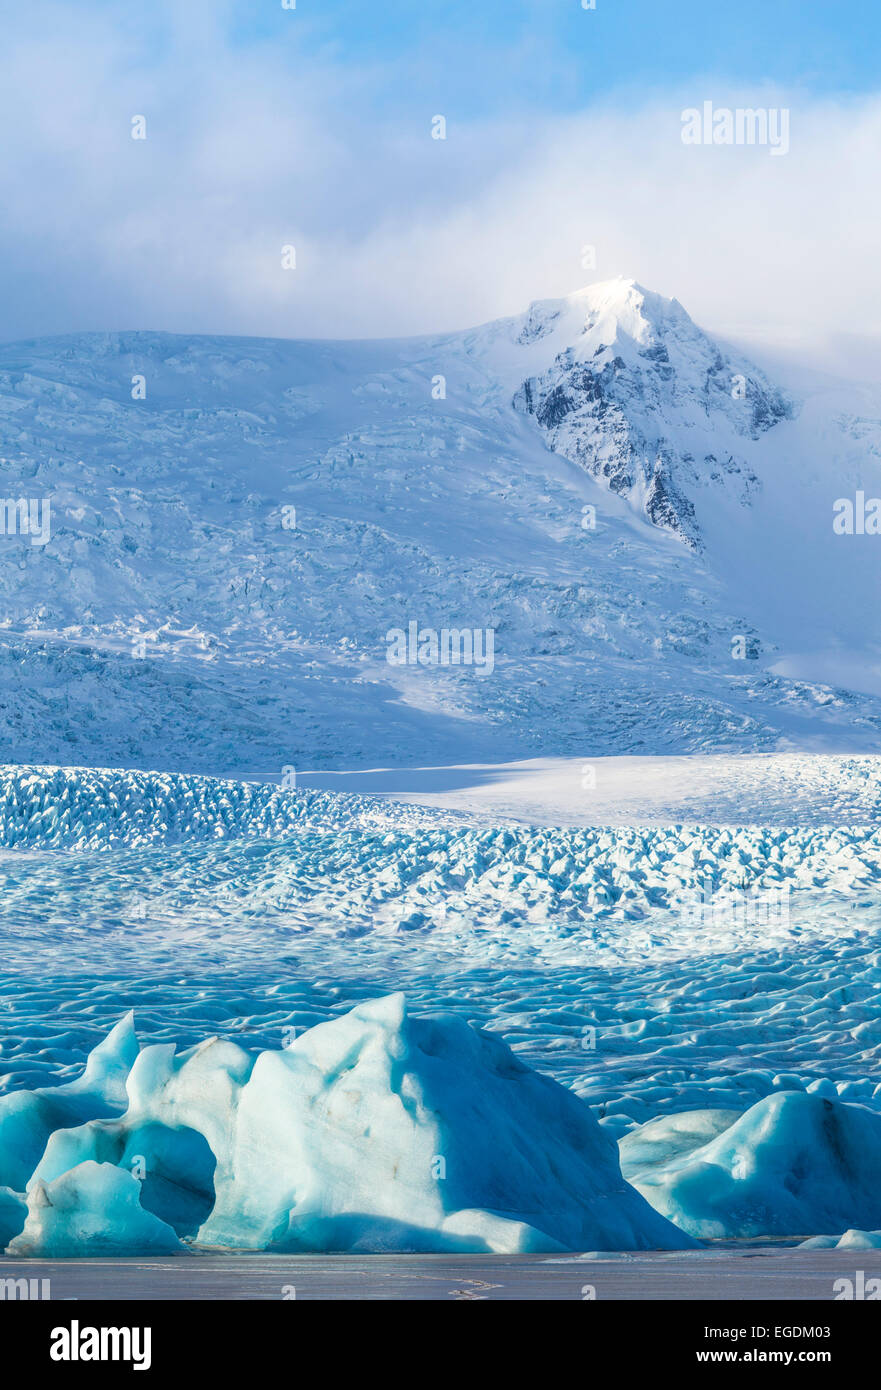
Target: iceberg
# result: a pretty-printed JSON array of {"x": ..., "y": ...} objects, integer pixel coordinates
[
  {"x": 792, "y": 1163},
  {"x": 92, "y": 1210},
  {"x": 374, "y": 1131},
  {"x": 27, "y": 1118},
  {"x": 13, "y": 1211},
  {"x": 851, "y": 1240}
]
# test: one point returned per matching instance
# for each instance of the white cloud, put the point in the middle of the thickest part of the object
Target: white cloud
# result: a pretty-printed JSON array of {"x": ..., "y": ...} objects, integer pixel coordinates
[{"x": 248, "y": 150}]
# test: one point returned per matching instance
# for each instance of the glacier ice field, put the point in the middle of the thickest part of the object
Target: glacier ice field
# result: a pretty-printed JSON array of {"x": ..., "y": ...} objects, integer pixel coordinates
[{"x": 269, "y": 1000}]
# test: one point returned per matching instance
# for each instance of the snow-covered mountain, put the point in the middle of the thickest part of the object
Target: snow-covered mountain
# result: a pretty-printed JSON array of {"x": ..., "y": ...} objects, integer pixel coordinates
[
  {"x": 641, "y": 518},
  {"x": 646, "y": 402}
]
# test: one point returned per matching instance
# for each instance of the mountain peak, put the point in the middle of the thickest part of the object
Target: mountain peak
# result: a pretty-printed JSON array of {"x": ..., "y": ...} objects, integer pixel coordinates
[
  {"x": 631, "y": 389},
  {"x": 603, "y": 314},
  {"x": 620, "y": 295}
]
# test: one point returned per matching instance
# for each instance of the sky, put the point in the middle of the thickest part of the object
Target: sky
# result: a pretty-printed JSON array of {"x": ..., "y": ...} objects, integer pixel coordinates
[{"x": 311, "y": 128}]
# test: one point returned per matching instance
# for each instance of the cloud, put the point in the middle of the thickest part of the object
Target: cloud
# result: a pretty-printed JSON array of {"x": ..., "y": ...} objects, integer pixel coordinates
[{"x": 251, "y": 147}]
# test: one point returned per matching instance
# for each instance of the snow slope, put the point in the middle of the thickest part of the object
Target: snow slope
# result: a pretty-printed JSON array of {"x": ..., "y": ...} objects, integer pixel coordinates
[
  {"x": 179, "y": 619},
  {"x": 767, "y": 789}
]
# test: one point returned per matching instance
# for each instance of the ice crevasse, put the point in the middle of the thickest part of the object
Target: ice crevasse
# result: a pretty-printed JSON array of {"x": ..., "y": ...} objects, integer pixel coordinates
[{"x": 373, "y": 1131}]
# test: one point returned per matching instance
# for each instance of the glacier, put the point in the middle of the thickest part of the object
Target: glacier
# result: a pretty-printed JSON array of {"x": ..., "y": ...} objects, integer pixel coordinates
[
  {"x": 263, "y": 937},
  {"x": 319, "y": 862}
]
